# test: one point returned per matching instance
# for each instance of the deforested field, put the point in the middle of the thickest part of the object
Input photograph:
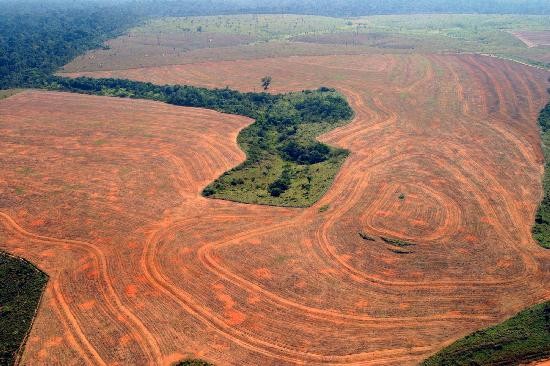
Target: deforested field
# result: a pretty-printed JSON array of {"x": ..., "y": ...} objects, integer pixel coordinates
[
  {"x": 424, "y": 237},
  {"x": 534, "y": 38},
  {"x": 188, "y": 40}
]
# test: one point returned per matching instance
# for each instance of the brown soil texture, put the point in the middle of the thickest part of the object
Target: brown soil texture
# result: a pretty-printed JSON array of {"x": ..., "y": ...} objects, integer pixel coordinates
[
  {"x": 130, "y": 55},
  {"x": 534, "y": 38},
  {"x": 139, "y": 50},
  {"x": 104, "y": 195}
]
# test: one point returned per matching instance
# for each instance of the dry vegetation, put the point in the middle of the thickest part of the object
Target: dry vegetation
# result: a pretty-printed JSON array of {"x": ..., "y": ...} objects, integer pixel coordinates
[
  {"x": 8, "y": 93},
  {"x": 104, "y": 194},
  {"x": 139, "y": 50},
  {"x": 172, "y": 41}
]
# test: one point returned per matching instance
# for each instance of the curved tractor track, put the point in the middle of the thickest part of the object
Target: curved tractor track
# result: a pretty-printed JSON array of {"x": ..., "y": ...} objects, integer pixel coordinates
[{"x": 104, "y": 194}]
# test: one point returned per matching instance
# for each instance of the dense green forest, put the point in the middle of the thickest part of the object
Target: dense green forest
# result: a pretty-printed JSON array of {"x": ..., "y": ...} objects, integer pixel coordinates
[
  {"x": 22, "y": 286},
  {"x": 35, "y": 42},
  {"x": 519, "y": 340},
  {"x": 357, "y": 7},
  {"x": 541, "y": 229},
  {"x": 285, "y": 165},
  {"x": 314, "y": 7}
]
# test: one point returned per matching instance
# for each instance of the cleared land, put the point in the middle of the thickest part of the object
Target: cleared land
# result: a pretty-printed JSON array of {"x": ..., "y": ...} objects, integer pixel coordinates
[
  {"x": 534, "y": 38},
  {"x": 445, "y": 155},
  {"x": 170, "y": 41}
]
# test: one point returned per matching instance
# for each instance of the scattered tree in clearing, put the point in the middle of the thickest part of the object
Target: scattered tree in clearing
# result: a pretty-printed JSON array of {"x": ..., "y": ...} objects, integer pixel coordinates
[{"x": 266, "y": 82}]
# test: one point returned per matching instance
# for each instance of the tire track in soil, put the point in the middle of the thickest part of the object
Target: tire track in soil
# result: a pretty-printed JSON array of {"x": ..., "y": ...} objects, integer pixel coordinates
[
  {"x": 144, "y": 338},
  {"x": 384, "y": 142}
]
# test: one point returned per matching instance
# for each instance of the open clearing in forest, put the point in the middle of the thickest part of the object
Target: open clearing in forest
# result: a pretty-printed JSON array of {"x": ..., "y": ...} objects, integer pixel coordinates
[
  {"x": 186, "y": 40},
  {"x": 104, "y": 195},
  {"x": 534, "y": 38}
]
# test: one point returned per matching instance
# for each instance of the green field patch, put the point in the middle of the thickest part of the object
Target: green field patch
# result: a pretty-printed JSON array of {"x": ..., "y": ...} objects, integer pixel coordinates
[
  {"x": 261, "y": 27},
  {"x": 478, "y": 33},
  {"x": 519, "y": 340}
]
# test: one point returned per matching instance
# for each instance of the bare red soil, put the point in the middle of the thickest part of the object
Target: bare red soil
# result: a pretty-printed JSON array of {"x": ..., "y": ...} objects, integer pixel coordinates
[{"x": 145, "y": 270}]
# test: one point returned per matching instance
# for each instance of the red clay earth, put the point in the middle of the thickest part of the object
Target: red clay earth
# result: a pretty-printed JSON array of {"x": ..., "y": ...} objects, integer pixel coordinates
[{"x": 104, "y": 195}]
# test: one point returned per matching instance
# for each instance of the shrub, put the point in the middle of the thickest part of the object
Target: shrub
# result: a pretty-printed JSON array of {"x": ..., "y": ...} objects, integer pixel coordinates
[
  {"x": 193, "y": 362},
  {"x": 305, "y": 154},
  {"x": 324, "y": 208},
  {"x": 366, "y": 236},
  {"x": 280, "y": 185}
]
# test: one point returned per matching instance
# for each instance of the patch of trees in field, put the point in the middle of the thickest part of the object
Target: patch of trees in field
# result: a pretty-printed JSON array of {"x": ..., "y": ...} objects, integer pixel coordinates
[
  {"x": 20, "y": 292},
  {"x": 282, "y": 136},
  {"x": 519, "y": 340},
  {"x": 193, "y": 362},
  {"x": 541, "y": 229}
]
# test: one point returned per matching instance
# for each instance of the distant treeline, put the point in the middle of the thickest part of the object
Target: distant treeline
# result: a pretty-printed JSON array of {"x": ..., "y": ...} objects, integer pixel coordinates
[
  {"x": 314, "y": 7},
  {"x": 346, "y": 8}
]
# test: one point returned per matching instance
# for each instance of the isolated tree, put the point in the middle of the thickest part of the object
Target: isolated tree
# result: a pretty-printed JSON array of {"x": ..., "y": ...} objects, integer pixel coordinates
[{"x": 266, "y": 82}]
